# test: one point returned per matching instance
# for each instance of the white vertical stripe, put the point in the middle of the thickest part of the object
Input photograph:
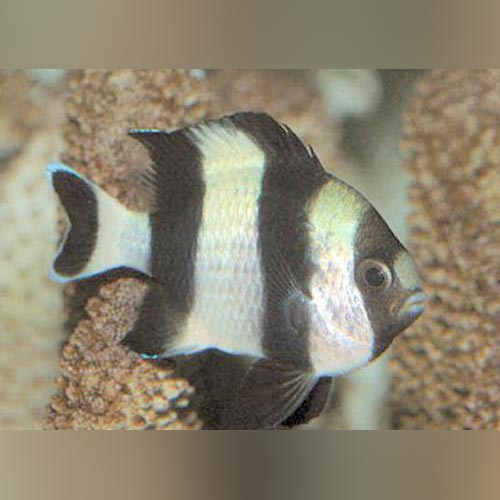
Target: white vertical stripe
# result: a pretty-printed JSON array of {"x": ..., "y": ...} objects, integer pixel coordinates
[
  {"x": 341, "y": 337},
  {"x": 226, "y": 313}
]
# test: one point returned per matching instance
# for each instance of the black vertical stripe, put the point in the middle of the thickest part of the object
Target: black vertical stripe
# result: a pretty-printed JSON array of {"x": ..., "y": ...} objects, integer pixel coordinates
[
  {"x": 292, "y": 176},
  {"x": 179, "y": 190},
  {"x": 375, "y": 240}
]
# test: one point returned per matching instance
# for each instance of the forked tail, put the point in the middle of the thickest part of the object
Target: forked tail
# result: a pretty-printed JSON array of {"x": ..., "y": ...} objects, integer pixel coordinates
[{"x": 102, "y": 234}]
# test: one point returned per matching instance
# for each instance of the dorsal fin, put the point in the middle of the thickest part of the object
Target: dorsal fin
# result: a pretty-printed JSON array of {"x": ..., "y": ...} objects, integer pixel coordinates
[
  {"x": 278, "y": 141},
  {"x": 175, "y": 164},
  {"x": 227, "y": 146}
]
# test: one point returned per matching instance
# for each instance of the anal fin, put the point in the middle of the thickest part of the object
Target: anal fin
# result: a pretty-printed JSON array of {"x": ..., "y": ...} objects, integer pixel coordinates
[{"x": 268, "y": 394}]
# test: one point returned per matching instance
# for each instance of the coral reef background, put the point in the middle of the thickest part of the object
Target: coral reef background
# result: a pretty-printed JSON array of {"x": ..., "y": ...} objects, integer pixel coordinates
[
  {"x": 445, "y": 370},
  {"x": 447, "y": 367}
]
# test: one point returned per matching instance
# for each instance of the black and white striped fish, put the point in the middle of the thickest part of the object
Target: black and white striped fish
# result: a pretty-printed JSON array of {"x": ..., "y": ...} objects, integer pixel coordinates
[{"x": 255, "y": 251}]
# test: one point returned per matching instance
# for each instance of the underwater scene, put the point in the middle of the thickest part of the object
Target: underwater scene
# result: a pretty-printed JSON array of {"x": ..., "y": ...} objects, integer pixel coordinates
[{"x": 250, "y": 249}]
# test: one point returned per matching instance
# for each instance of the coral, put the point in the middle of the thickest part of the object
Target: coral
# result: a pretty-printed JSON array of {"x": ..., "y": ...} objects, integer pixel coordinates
[
  {"x": 30, "y": 305},
  {"x": 447, "y": 366},
  {"x": 103, "y": 385},
  {"x": 106, "y": 386},
  {"x": 103, "y": 105}
]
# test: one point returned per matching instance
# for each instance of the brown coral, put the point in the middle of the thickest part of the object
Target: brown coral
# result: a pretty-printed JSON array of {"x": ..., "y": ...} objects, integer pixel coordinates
[
  {"x": 103, "y": 105},
  {"x": 104, "y": 385},
  {"x": 447, "y": 367}
]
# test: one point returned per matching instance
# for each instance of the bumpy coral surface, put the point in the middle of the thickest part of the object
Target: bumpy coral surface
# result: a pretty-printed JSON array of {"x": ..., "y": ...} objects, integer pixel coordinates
[
  {"x": 104, "y": 105},
  {"x": 104, "y": 385},
  {"x": 447, "y": 367}
]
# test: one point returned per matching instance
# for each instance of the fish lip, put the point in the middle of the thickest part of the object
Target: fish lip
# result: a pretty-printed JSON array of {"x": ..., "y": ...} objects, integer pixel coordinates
[{"x": 411, "y": 306}]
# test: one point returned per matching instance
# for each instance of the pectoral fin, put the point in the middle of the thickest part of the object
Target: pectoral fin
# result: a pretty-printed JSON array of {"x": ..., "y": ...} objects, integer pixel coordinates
[{"x": 313, "y": 405}]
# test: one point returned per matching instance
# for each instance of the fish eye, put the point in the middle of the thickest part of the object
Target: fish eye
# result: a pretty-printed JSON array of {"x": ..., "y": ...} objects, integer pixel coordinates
[{"x": 375, "y": 274}]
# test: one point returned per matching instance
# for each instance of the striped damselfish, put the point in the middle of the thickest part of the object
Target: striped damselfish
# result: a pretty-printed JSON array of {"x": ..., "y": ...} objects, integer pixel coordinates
[{"x": 255, "y": 251}]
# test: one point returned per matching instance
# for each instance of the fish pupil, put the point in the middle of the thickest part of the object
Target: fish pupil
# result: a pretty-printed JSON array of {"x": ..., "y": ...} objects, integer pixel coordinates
[{"x": 375, "y": 276}]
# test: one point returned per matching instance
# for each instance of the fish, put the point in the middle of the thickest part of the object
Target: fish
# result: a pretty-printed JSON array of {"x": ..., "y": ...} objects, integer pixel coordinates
[{"x": 252, "y": 250}]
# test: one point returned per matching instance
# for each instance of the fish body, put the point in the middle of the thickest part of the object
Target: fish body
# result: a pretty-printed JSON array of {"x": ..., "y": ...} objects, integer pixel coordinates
[{"x": 255, "y": 251}]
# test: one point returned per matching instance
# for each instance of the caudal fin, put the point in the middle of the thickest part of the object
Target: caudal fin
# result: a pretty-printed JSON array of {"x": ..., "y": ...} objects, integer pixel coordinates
[
  {"x": 102, "y": 234},
  {"x": 79, "y": 199}
]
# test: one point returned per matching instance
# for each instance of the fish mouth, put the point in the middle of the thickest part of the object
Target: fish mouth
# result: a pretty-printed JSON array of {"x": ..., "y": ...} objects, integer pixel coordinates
[{"x": 412, "y": 306}]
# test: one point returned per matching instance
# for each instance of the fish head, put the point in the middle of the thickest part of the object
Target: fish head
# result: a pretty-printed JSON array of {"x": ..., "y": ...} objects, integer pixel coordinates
[
  {"x": 365, "y": 288},
  {"x": 387, "y": 278}
]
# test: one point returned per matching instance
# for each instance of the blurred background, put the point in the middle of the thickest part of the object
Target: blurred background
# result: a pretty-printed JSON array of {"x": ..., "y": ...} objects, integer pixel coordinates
[{"x": 356, "y": 120}]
